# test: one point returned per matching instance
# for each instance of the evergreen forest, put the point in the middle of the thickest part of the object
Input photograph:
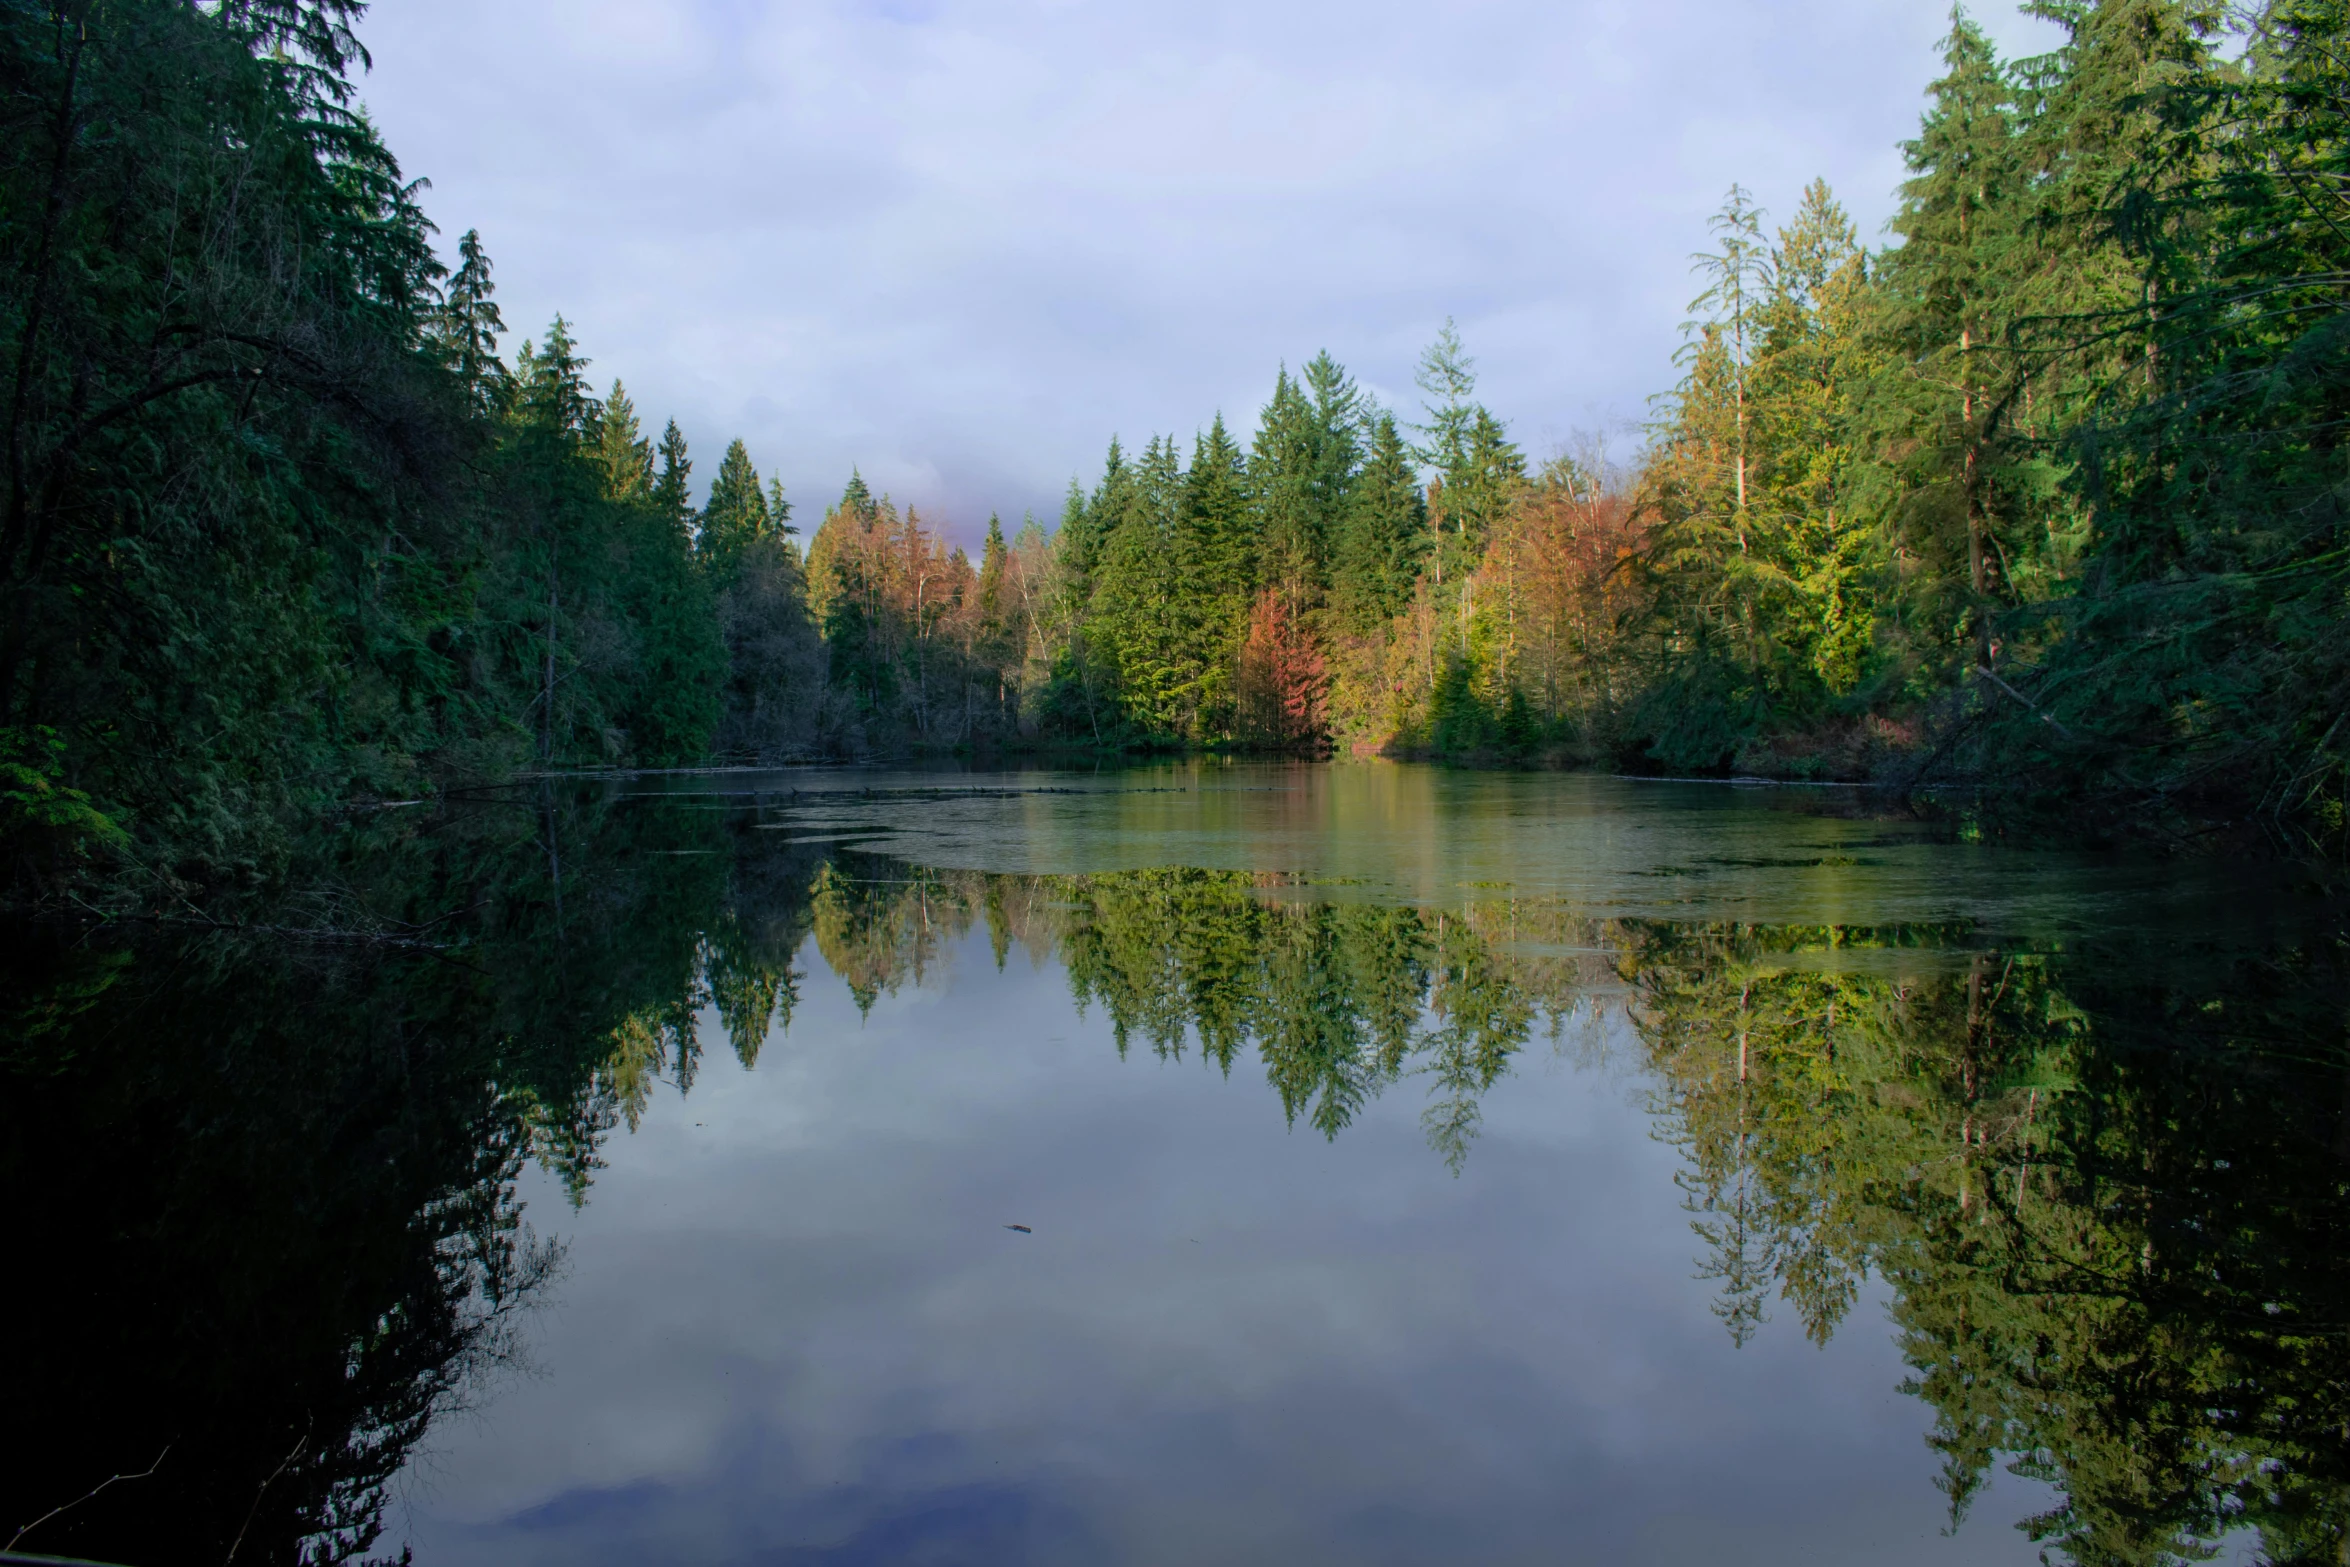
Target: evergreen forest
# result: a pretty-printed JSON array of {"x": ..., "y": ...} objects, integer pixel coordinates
[{"x": 2038, "y": 504}]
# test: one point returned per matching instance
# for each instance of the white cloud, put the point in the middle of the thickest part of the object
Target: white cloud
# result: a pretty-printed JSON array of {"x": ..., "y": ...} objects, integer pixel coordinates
[{"x": 959, "y": 243}]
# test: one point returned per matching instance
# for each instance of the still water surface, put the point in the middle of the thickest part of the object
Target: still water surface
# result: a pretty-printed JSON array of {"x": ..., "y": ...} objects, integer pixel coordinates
[{"x": 1411, "y": 1166}]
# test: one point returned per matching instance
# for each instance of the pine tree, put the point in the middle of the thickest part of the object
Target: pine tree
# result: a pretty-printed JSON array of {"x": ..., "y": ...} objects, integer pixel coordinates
[
  {"x": 1447, "y": 378},
  {"x": 775, "y": 660},
  {"x": 561, "y": 493},
  {"x": 1807, "y": 373},
  {"x": 734, "y": 516},
  {"x": 1285, "y": 472},
  {"x": 672, "y": 494},
  {"x": 1339, "y": 413},
  {"x": 1959, "y": 227},
  {"x": 1715, "y": 569},
  {"x": 1217, "y": 514},
  {"x": 994, "y": 602},
  {"x": 2188, "y": 241},
  {"x": 621, "y": 450},
  {"x": 553, "y": 388},
  {"x": 1144, "y": 612},
  {"x": 1958, "y": 475},
  {"x": 2107, "y": 156},
  {"x": 856, "y": 500},
  {"x": 1087, "y": 524},
  {"x": 1739, "y": 277},
  {"x": 467, "y": 327},
  {"x": 1478, "y": 469},
  {"x": 1220, "y": 540},
  {"x": 1384, "y": 536}
]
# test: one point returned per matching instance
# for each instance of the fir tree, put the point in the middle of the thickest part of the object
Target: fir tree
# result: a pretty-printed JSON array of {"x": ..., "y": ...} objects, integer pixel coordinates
[
  {"x": 1808, "y": 372},
  {"x": 1087, "y": 522},
  {"x": 856, "y": 500},
  {"x": 553, "y": 389},
  {"x": 622, "y": 451},
  {"x": 468, "y": 326},
  {"x": 1384, "y": 536},
  {"x": 1285, "y": 472},
  {"x": 1220, "y": 542},
  {"x": 672, "y": 494},
  {"x": 1478, "y": 469},
  {"x": 1950, "y": 302},
  {"x": 734, "y": 516},
  {"x": 994, "y": 605},
  {"x": 1339, "y": 413},
  {"x": 1716, "y": 568},
  {"x": 1217, "y": 514},
  {"x": 1447, "y": 378},
  {"x": 1738, "y": 278},
  {"x": 1144, "y": 610}
]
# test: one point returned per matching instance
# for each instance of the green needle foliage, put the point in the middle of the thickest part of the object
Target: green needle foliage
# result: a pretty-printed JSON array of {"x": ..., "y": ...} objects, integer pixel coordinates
[
  {"x": 281, "y": 530},
  {"x": 2043, "y": 500}
]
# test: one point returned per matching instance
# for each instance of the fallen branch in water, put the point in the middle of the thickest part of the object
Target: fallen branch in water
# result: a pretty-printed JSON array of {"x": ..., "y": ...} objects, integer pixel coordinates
[
  {"x": 93, "y": 1491},
  {"x": 2047, "y": 718}
]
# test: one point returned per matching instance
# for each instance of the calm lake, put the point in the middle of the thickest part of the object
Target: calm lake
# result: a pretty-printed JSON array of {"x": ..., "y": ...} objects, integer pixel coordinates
[{"x": 1208, "y": 1163}]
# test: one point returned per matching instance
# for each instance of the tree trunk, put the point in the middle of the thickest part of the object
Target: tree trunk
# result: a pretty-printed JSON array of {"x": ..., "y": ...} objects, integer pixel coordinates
[
  {"x": 547, "y": 689},
  {"x": 1977, "y": 541}
]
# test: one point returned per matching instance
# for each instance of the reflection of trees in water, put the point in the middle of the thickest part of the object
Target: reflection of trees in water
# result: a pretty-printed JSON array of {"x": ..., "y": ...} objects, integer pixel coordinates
[
  {"x": 265, "y": 1229},
  {"x": 266, "y": 1224},
  {"x": 2107, "y": 1188},
  {"x": 1339, "y": 1000},
  {"x": 273, "y": 1225},
  {"x": 317, "y": 1143}
]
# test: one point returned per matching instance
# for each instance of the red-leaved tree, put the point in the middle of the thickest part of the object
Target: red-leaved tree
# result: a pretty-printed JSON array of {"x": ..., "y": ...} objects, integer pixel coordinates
[{"x": 1282, "y": 675}]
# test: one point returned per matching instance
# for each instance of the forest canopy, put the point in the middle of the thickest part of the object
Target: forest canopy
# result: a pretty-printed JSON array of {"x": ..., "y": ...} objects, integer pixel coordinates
[{"x": 2043, "y": 497}]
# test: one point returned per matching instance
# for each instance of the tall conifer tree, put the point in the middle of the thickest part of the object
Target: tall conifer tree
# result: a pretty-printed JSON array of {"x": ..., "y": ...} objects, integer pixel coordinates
[
  {"x": 994, "y": 603},
  {"x": 1384, "y": 536},
  {"x": 1951, "y": 296},
  {"x": 1216, "y": 511},
  {"x": 468, "y": 326},
  {"x": 1738, "y": 280},
  {"x": 734, "y": 516},
  {"x": 1477, "y": 467},
  {"x": 1285, "y": 472},
  {"x": 622, "y": 451},
  {"x": 554, "y": 390},
  {"x": 673, "y": 489},
  {"x": 1811, "y": 364}
]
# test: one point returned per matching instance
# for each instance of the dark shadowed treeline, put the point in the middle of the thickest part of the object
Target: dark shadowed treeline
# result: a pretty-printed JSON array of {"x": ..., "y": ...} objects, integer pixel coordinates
[{"x": 280, "y": 528}]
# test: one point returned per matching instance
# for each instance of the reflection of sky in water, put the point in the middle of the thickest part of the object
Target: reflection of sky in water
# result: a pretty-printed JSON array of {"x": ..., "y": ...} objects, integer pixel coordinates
[
  {"x": 1607, "y": 847},
  {"x": 794, "y": 1328}
]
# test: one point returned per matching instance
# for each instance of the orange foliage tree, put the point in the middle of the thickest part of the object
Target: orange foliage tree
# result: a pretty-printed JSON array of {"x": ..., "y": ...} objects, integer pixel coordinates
[
  {"x": 912, "y": 653},
  {"x": 1559, "y": 581},
  {"x": 1283, "y": 677}
]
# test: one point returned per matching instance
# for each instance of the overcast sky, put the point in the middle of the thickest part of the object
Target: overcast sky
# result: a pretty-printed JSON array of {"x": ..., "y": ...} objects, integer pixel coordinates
[{"x": 961, "y": 243}]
